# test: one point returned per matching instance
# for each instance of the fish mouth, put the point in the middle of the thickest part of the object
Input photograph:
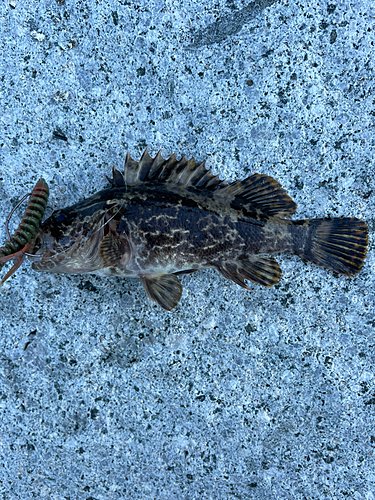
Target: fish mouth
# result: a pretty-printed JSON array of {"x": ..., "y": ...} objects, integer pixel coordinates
[
  {"x": 43, "y": 247},
  {"x": 67, "y": 256},
  {"x": 73, "y": 247}
]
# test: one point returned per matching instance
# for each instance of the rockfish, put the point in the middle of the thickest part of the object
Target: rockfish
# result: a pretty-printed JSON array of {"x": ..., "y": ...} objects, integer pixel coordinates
[{"x": 163, "y": 218}]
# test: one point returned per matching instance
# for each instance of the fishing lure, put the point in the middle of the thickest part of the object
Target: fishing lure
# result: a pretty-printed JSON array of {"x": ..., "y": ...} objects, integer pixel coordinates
[{"x": 17, "y": 246}]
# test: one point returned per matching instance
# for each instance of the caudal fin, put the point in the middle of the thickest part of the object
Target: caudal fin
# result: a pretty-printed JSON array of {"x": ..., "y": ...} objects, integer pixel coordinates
[{"x": 337, "y": 244}]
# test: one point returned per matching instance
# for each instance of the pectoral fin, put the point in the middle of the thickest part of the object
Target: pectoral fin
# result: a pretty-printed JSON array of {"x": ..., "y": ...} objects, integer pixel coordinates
[
  {"x": 262, "y": 270},
  {"x": 164, "y": 289},
  {"x": 113, "y": 250}
]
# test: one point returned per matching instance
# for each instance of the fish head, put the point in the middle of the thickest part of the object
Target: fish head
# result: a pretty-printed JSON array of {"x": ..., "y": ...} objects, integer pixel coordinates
[{"x": 69, "y": 240}]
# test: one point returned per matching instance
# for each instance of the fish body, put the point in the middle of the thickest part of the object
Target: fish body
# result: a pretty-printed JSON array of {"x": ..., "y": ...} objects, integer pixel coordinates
[{"x": 161, "y": 218}]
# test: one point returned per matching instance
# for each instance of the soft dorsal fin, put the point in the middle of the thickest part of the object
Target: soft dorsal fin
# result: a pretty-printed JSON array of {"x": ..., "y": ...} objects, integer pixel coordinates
[
  {"x": 183, "y": 172},
  {"x": 259, "y": 192}
]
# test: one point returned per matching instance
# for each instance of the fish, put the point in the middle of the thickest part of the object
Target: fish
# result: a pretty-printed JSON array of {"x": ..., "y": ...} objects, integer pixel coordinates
[{"x": 163, "y": 218}]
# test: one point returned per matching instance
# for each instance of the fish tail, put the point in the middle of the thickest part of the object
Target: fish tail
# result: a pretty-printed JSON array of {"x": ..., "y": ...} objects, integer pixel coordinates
[{"x": 338, "y": 244}]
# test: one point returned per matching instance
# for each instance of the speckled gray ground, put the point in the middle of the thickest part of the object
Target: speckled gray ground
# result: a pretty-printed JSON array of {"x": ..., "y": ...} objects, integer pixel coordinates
[{"x": 235, "y": 394}]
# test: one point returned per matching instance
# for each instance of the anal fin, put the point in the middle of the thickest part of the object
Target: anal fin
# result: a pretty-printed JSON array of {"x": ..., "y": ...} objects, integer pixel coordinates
[
  {"x": 262, "y": 270},
  {"x": 164, "y": 289}
]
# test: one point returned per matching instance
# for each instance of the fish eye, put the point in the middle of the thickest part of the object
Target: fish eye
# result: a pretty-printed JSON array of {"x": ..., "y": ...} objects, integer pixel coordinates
[{"x": 60, "y": 216}]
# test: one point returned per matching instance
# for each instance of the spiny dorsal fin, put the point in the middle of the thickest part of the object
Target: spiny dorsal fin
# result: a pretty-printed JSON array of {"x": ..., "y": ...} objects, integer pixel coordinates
[
  {"x": 257, "y": 192},
  {"x": 183, "y": 172},
  {"x": 261, "y": 192}
]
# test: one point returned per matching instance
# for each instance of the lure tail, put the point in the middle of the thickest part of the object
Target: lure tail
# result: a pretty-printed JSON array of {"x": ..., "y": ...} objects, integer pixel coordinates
[
  {"x": 20, "y": 242},
  {"x": 336, "y": 244}
]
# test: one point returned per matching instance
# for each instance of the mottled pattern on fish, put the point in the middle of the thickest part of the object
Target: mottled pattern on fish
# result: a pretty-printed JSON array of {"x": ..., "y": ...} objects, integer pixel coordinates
[{"x": 161, "y": 218}]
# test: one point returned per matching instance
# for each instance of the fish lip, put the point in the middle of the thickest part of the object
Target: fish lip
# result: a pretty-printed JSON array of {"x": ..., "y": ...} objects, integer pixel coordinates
[
  {"x": 37, "y": 249},
  {"x": 36, "y": 257}
]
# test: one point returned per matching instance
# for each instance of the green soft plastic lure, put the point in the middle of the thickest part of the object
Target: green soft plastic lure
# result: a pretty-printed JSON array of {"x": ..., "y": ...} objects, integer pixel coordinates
[{"x": 18, "y": 245}]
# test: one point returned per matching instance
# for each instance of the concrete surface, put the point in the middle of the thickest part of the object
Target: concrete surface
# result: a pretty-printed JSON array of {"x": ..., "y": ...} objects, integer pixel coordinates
[{"x": 235, "y": 394}]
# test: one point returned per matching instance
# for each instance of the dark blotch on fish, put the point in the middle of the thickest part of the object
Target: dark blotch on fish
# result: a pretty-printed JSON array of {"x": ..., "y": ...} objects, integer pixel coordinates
[{"x": 161, "y": 218}]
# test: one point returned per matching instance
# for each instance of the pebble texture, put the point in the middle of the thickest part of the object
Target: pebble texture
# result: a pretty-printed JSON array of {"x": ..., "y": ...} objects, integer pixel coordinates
[{"x": 235, "y": 394}]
